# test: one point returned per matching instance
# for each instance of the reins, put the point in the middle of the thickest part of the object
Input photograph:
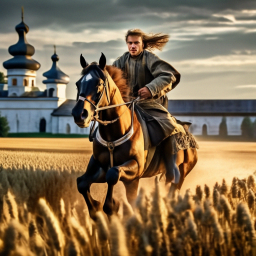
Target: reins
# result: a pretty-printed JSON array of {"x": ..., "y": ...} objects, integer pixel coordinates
[{"x": 110, "y": 144}]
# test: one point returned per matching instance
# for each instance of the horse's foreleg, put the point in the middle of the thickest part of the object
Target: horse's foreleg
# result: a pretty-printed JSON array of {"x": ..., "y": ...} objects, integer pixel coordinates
[
  {"x": 126, "y": 172},
  {"x": 93, "y": 174}
]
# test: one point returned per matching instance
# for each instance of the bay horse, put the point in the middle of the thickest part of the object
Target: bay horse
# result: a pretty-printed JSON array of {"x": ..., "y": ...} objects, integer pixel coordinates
[{"x": 102, "y": 94}]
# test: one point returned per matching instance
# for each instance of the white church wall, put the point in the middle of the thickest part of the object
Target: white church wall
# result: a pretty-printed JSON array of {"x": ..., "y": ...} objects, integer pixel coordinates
[
  {"x": 234, "y": 125},
  {"x": 60, "y": 124},
  {"x": 21, "y": 120},
  {"x": 55, "y": 124},
  {"x": 24, "y": 114},
  {"x": 74, "y": 129},
  {"x": 213, "y": 124},
  {"x": 20, "y": 74},
  {"x": 61, "y": 91}
]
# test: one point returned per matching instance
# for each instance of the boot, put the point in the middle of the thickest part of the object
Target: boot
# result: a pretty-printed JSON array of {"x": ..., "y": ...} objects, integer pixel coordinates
[{"x": 172, "y": 171}]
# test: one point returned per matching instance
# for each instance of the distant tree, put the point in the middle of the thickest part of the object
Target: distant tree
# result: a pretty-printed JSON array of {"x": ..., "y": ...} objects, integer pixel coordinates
[
  {"x": 4, "y": 127},
  {"x": 2, "y": 78},
  {"x": 254, "y": 129},
  {"x": 247, "y": 128},
  {"x": 223, "y": 130}
]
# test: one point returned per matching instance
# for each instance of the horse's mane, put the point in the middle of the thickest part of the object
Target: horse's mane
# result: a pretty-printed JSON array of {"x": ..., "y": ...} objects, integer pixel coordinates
[
  {"x": 117, "y": 76},
  {"x": 120, "y": 81}
]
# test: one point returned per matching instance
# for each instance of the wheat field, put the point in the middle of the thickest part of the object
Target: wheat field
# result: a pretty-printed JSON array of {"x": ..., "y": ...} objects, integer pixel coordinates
[{"x": 41, "y": 212}]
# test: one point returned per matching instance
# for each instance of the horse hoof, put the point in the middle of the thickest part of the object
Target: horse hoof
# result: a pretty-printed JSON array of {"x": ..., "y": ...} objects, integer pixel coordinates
[{"x": 111, "y": 208}]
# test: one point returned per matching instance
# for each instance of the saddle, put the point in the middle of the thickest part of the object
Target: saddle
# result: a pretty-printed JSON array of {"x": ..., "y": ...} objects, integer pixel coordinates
[
  {"x": 157, "y": 124},
  {"x": 160, "y": 124}
]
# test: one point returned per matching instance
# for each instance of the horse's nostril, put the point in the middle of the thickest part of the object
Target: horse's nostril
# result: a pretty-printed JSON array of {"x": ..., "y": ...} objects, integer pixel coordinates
[{"x": 84, "y": 114}]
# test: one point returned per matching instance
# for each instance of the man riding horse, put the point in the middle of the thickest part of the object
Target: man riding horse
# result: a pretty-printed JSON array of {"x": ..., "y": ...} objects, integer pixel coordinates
[
  {"x": 136, "y": 138},
  {"x": 151, "y": 78}
]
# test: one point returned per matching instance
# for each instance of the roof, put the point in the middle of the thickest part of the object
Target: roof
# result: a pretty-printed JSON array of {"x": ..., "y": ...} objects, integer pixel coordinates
[
  {"x": 23, "y": 62},
  {"x": 55, "y": 75},
  {"x": 65, "y": 108},
  {"x": 35, "y": 93},
  {"x": 212, "y": 107}
]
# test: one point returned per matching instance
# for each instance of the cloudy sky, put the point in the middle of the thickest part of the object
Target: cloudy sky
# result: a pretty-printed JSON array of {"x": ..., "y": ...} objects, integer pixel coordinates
[{"x": 212, "y": 45}]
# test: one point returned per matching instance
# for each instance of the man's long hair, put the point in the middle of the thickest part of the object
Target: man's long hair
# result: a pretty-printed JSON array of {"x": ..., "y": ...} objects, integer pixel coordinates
[{"x": 151, "y": 41}]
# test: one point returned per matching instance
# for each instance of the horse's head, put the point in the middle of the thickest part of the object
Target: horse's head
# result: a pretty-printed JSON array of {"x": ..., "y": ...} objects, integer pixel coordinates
[{"x": 92, "y": 91}]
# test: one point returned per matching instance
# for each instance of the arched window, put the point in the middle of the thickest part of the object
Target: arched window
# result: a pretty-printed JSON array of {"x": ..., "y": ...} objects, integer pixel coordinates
[
  {"x": 51, "y": 92},
  {"x": 204, "y": 130},
  {"x": 223, "y": 130},
  {"x": 25, "y": 82},
  {"x": 33, "y": 83},
  {"x": 14, "y": 81},
  {"x": 14, "y": 95},
  {"x": 68, "y": 129},
  {"x": 42, "y": 126}
]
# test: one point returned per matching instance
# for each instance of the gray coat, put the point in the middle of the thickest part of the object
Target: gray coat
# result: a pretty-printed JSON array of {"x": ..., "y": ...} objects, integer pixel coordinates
[
  {"x": 159, "y": 77},
  {"x": 148, "y": 70}
]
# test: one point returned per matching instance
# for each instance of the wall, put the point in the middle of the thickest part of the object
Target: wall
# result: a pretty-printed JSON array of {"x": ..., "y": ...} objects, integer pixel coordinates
[
  {"x": 60, "y": 125},
  {"x": 213, "y": 124}
]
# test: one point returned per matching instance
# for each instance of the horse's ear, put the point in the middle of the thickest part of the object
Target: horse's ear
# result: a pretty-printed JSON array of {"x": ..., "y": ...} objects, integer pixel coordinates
[
  {"x": 83, "y": 62},
  {"x": 102, "y": 62}
]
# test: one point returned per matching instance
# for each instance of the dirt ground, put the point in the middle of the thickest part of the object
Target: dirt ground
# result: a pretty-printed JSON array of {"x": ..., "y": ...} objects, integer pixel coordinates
[{"x": 216, "y": 160}]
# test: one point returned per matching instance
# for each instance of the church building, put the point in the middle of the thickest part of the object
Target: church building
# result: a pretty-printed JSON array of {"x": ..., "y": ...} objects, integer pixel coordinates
[{"x": 26, "y": 107}]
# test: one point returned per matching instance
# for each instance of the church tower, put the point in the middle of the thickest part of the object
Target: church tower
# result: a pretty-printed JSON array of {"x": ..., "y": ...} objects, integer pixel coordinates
[
  {"x": 57, "y": 80},
  {"x": 21, "y": 69}
]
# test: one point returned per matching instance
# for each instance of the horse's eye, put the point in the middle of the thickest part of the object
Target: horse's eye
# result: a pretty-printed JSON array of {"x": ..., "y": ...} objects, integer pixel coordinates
[{"x": 100, "y": 88}]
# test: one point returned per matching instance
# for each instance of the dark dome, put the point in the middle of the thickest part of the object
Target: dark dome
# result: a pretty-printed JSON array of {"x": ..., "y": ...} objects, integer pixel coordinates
[
  {"x": 55, "y": 75},
  {"x": 23, "y": 62},
  {"x": 22, "y": 47},
  {"x": 21, "y": 51},
  {"x": 22, "y": 27}
]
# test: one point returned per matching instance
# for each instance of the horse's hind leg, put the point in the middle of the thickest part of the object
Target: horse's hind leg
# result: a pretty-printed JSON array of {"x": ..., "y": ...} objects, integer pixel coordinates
[
  {"x": 93, "y": 174},
  {"x": 190, "y": 156}
]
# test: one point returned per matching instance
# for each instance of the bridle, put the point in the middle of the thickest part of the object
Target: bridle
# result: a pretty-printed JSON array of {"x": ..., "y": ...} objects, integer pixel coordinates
[{"x": 109, "y": 144}]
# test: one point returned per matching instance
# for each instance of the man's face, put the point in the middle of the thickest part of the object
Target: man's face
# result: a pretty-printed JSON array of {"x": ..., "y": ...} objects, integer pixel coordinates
[{"x": 135, "y": 45}]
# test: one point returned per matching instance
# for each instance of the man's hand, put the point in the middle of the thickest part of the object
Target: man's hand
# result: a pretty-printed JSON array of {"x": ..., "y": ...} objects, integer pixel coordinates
[{"x": 144, "y": 93}]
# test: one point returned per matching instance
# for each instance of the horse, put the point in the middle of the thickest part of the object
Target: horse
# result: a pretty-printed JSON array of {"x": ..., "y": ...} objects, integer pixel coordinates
[{"x": 119, "y": 143}]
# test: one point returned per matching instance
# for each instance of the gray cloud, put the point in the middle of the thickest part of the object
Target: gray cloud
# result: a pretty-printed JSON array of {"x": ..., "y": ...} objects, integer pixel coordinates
[
  {"x": 200, "y": 47},
  {"x": 76, "y": 15}
]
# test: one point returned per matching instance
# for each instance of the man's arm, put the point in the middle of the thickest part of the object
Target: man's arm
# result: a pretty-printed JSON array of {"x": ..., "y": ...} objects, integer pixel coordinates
[{"x": 165, "y": 76}]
